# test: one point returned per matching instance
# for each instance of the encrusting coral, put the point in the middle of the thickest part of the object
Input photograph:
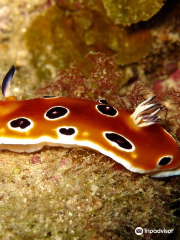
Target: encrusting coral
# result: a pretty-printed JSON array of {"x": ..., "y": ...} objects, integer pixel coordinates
[{"x": 77, "y": 194}]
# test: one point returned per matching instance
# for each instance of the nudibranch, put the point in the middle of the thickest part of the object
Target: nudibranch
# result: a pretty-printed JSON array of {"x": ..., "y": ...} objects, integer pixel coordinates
[{"x": 134, "y": 140}]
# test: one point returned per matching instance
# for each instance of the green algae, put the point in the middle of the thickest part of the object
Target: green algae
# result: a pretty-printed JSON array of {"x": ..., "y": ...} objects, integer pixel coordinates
[
  {"x": 60, "y": 37},
  {"x": 144, "y": 50},
  {"x": 130, "y": 45},
  {"x": 52, "y": 42},
  {"x": 125, "y": 12},
  {"x": 128, "y": 12}
]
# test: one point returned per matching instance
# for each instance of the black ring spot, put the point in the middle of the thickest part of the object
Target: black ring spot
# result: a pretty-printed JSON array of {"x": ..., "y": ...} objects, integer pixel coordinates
[
  {"x": 103, "y": 101},
  {"x": 107, "y": 110},
  {"x": 56, "y": 112},
  {"x": 120, "y": 140},
  {"x": 164, "y": 161},
  {"x": 49, "y": 97},
  {"x": 20, "y": 122},
  {"x": 67, "y": 131}
]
